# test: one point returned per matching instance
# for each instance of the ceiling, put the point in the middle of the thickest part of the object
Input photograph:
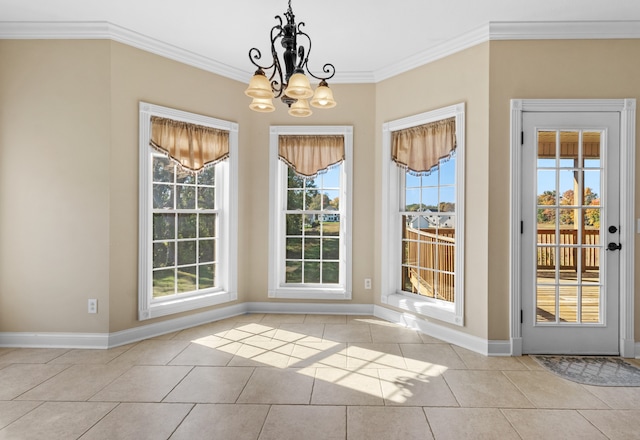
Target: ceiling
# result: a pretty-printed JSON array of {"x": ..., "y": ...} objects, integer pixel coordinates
[{"x": 362, "y": 38}]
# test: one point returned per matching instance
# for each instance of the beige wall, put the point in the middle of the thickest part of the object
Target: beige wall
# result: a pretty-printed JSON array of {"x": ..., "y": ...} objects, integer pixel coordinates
[
  {"x": 69, "y": 166},
  {"x": 546, "y": 69},
  {"x": 462, "y": 77},
  {"x": 54, "y": 180},
  {"x": 69, "y": 177}
]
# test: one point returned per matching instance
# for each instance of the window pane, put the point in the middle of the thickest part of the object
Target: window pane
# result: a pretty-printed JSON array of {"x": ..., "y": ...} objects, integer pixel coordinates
[
  {"x": 164, "y": 254},
  {"x": 186, "y": 252},
  {"x": 330, "y": 200},
  {"x": 206, "y": 251},
  {"x": 569, "y": 187},
  {"x": 330, "y": 249},
  {"x": 293, "y": 272},
  {"x": 311, "y": 272},
  {"x": 294, "y": 248},
  {"x": 207, "y": 225},
  {"x": 293, "y": 180},
  {"x": 162, "y": 196},
  {"x": 294, "y": 199},
  {"x": 163, "y": 282},
  {"x": 430, "y": 198},
  {"x": 331, "y": 179},
  {"x": 330, "y": 273},
  {"x": 163, "y": 226},
  {"x": 412, "y": 200},
  {"x": 206, "y": 198},
  {"x": 162, "y": 169},
  {"x": 448, "y": 171},
  {"x": 312, "y": 227},
  {"x": 312, "y": 200},
  {"x": 294, "y": 224},
  {"x": 591, "y": 187},
  {"x": 206, "y": 276},
  {"x": 311, "y": 248},
  {"x": 185, "y": 177},
  {"x": 187, "y": 279},
  {"x": 187, "y": 225},
  {"x": 185, "y": 197},
  {"x": 332, "y": 225},
  {"x": 447, "y": 199},
  {"x": 207, "y": 176},
  {"x": 412, "y": 181}
]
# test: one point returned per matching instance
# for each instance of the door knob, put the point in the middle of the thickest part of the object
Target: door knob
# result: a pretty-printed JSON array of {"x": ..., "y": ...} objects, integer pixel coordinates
[
  {"x": 613, "y": 229},
  {"x": 614, "y": 246}
]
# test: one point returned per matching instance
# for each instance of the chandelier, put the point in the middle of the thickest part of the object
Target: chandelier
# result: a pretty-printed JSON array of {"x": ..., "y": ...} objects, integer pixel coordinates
[{"x": 290, "y": 84}]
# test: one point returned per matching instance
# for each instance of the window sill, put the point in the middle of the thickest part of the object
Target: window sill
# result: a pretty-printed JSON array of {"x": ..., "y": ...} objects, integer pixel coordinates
[
  {"x": 185, "y": 304},
  {"x": 430, "y": 308},
  {"x": 310, "y": 293}
]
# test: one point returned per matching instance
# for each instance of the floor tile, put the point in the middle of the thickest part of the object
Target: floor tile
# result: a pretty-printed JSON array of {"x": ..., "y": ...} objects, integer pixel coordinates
[
  {"x": 615, "y": 424},
  {"x": 485, "y": 388},
  {"x": 427, "y": 339},
  {"x": 546, "y": 390},
  {"x": 347, "y": 333},
  {"x": 365, "y": 355},
  {"x": 215, "y": 329},
  {"x": 470, "y": 423},
  {"x": 343, "y": 387},
  {"x": 216, "y": 352},
  {"x": 531, "y": 363},
  {"x": 32, "y": 355},
  {"x": 431, "y": 359},
  {"x": 395, "y": 334},
  {"x": 476, "y": 361},
  {"x": 408, "y": 388},
  {"x": 76, "y": 383},
  {"x": 140, "y": 421},
  {"x": 617, "y": 397},
  {"x": 211, "y": 385},
  {"x": 263, "y": 354},
  {"x": 12, "y": 411},
  {"x": 282, "y": 318},
  {"x": 56, "y": 420},
  {"x": 305, "y": 422},
  {"x": 325, "y": 319},
  {"x": 237, "y": 422},
  {"x": 380, "y": 423},
  {"x": 319, "y": 355},
  {"x": 151, "y": 353},
  {"x": 550, "y": 423},
  {"x": 19, "y": 378},
  {"x": 143, "y": 384},
  {"x": 272, "y": 385},
  {"x": 85, "y": 357},
  {"x": 299, "y": 333},
  {"x": 366, "y": 320}
]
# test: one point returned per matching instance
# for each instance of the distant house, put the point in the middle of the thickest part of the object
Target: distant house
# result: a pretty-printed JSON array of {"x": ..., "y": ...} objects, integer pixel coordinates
[
  {"x": 430, "y": 220},
  {"x": 332, "y": 216}
]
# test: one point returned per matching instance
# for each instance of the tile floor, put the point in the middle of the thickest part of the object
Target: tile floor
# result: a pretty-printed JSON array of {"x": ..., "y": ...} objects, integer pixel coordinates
[{"x": 299, "y": 377}]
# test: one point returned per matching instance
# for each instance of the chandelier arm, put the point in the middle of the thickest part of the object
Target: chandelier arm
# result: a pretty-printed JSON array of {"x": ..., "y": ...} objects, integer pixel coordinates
[
  {"x": 255, "y": 54},
  {"x": 277, "y": 85},
  {"x": 327, "y": 68}
]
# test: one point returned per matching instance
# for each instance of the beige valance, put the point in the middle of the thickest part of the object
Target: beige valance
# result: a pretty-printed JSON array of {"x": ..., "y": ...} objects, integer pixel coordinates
[
  {"x": 309, "y": 155},
  {"x": 419, "y": 149},
  {"x": 192, "y": 146}
]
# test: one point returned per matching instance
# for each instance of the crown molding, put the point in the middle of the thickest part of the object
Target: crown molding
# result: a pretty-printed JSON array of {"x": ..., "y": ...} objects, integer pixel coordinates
[{"x": 493, "y": 31}]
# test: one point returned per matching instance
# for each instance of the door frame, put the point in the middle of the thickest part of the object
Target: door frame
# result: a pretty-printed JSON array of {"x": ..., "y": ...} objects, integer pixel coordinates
[{"x": 627, "y": 110}]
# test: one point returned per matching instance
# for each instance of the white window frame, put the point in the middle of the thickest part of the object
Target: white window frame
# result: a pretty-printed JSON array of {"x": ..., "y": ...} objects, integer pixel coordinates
[
  {"x": 277, "y": 288},
  {"x": 391, "y": 258},
  {"x": 227, "y": 179}
]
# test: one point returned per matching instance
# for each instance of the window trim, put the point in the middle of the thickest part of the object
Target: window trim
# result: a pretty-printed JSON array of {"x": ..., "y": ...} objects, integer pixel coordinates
[
  {"x": 148, "y": 307},
  {"x": 276, "y": 228},
  {"x": 391, "y": 251}
]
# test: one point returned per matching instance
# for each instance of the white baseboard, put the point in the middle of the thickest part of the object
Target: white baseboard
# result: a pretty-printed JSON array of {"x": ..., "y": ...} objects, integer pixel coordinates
[
  {"x": 446, "y": 334},
  {"x": 109, "y": 340},
  {"x": 54, "y": 340}
]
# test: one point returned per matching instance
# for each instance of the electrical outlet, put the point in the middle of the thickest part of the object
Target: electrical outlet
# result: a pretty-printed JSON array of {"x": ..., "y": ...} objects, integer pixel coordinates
[
  {"x": 367, "y": 283},
  {"x": 92, "y": 306}
]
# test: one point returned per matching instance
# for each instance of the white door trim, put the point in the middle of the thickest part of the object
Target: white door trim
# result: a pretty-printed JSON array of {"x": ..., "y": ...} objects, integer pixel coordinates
[{"x": 627, "y": 110}]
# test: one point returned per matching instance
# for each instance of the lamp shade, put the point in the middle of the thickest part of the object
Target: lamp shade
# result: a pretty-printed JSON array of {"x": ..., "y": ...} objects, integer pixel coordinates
[
  {"x": 259, "y": 87},
  {"x": 299, "y": 87},
  {"x": 262, "y": 105},
  {"x": 323, "y": 98},
  {"x": 300, "y": 109}
]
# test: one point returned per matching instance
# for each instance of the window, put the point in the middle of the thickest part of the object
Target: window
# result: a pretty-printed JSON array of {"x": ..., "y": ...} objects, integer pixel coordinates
[
  {"x": 310, "y": 212},
  {"x": 423, "y": 213},
  {"x": 187, "y": 211}
]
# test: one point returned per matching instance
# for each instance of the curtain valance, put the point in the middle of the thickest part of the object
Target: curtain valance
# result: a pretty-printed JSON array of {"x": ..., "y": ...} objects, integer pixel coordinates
[
  {"x": 309, "y": 155},
  {"x": 192, "y": 146},
  {"x": 419, "y": 149}
]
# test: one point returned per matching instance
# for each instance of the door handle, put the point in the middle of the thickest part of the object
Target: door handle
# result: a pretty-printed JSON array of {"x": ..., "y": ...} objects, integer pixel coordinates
[
  {"x": 614, "y": 246},
  {"x": 613, "y": 229}
]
